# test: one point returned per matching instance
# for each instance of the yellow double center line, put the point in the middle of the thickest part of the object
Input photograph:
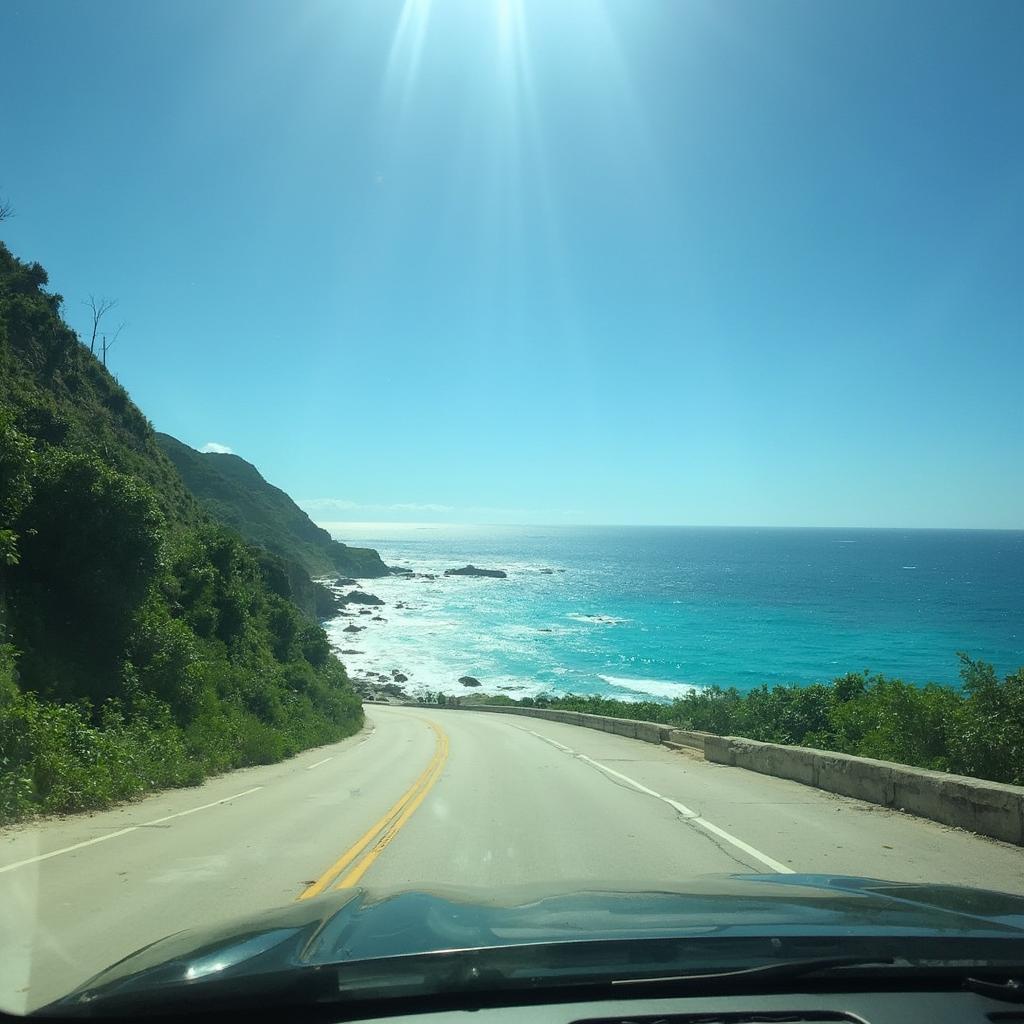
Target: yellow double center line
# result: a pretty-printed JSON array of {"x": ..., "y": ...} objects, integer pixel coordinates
[{"x": 356, "y": 861}]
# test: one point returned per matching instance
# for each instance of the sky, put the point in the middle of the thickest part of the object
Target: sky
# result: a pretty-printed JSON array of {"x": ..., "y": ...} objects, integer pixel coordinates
[{"x": 585, "y": 261}]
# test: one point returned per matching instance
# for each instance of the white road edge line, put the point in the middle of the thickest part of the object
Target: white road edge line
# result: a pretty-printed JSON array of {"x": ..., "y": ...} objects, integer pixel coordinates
[
  {"x": 310, "y": 767},
  {"x": 123, "y": 832},
  {"x": 682, "y": 809},
  {"x": 746, "y": 847}
]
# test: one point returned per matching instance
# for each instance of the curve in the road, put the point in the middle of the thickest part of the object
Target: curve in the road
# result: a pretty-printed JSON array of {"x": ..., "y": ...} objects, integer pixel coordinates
[
  {"x": 684, "y": 812},
  {"x": 357, "y": 859}
]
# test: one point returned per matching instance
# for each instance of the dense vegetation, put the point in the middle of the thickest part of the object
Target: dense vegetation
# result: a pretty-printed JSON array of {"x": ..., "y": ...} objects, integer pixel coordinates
[
  {"x": 141, "y": 644},
  {"x": 977, "y": 729},
  {"x": 235, "y": 493}
]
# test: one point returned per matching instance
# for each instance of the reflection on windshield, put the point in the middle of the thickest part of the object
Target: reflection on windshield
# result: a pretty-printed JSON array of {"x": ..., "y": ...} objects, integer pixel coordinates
[{"x": 483, "y": 472}]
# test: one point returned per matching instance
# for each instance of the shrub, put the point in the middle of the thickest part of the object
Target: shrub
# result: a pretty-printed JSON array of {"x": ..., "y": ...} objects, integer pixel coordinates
[
  {"x": 975, "y": 730},
  {"x": 988, "y": 734}
]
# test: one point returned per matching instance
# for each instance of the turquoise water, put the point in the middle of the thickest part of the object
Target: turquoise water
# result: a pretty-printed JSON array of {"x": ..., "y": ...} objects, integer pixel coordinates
[{"x": 641, "y": 612}]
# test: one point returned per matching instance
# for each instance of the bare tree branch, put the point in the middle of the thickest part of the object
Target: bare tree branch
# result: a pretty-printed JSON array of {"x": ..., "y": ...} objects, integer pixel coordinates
[
  {"x": 108, "y": 345},
  {"x": 6, "y": 210},
  {"x": 98, "y": 307}
]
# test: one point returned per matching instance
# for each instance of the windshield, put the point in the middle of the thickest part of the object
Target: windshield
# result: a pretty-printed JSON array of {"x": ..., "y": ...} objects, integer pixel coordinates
[{"x": 459, "y": 455}]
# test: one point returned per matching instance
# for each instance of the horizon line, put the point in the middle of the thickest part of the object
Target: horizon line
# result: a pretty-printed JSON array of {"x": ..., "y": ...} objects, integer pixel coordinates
[{"x": 662, "y": 526}]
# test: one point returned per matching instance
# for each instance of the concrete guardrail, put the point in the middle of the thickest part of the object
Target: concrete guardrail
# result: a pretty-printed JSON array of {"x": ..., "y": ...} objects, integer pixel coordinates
[
  {"x": 649, "y": 732},
  {"x": 687, "y": 738},
  {"x": 988, "y": 808}
]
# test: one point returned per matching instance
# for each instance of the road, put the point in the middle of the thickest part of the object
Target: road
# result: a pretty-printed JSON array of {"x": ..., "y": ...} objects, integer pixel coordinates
[{"x": 426, "y": 796}]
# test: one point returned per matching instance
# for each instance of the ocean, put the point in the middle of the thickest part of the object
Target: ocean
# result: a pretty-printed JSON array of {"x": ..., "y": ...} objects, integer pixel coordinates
[{"x": 647, "y": 612}]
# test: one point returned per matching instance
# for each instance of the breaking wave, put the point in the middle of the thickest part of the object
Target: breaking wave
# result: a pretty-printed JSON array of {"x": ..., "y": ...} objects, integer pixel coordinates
[{"x": 654, "y": 687}]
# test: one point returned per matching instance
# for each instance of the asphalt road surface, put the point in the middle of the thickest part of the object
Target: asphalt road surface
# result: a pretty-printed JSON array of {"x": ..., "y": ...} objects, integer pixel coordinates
[{"x": 429, "y": 796}]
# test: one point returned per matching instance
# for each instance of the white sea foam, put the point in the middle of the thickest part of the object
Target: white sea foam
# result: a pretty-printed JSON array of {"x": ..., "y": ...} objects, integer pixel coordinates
[
  {"x": 653, "y": 687},
  {"x": 601, "y": 620},
  {"x": 425, "y": 642},
  {"x": 434, "y": 634}
]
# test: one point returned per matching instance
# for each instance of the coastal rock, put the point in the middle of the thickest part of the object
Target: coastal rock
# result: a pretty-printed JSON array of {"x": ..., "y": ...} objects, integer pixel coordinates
[
  {"x": 344, "y": 581},
  {"x": 472, "y": 570},
  {"x": 399, "y": 677},
  {"x": 547, "y": 572},
  {"x": 349, "y": 650},
  {"x": 378, "y": 618},
  {"x": 469, "y": 680},
  {"x": 365, "y": 611},
  {"x": 353, "y": 629},
  {"x": 360, "y": 597}
]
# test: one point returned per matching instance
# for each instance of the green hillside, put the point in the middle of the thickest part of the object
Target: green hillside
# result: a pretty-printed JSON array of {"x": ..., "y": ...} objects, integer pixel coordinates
[
  {"x": 235, "y": 493},
  {"x": 142, "y": 644}
]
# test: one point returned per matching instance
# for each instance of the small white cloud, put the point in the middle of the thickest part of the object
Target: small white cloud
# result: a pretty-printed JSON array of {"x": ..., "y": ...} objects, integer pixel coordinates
[{"x": 216, "y": 446}]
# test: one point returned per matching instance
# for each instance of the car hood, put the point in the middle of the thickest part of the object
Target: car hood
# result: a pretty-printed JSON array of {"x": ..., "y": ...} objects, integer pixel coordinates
[{"x": 362, "y": 924}]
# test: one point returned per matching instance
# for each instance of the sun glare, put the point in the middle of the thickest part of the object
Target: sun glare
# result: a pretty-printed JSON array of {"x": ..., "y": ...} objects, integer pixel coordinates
[{"x": 504, "y": 56}]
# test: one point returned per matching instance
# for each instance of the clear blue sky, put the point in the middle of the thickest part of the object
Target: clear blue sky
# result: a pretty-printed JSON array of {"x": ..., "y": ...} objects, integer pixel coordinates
[{"x": 631, "y": 261}]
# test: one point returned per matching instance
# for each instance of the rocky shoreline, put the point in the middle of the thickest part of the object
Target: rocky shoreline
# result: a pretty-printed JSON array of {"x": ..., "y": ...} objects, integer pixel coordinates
[{"x": 354, "y": 603}]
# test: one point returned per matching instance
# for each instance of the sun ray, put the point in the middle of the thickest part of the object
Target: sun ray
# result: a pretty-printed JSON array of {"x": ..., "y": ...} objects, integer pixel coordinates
[{"x": 406, "y": 54}]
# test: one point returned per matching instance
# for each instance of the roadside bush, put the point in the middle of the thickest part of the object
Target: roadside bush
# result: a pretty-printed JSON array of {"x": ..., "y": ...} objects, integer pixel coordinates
[
  {"x": 987, "y": 739},
  {"x": 895, "y": 721},
  {"x": 976, "y": 729},
  {"x": 89, "y": 547},
  {"x": 55, "y": 760},
  {"x": 164, "y": 659},
  {"x": 15, "y": 780},
  {"x": 17, "y": 463},
  {"x": 69, "y": 757}
]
